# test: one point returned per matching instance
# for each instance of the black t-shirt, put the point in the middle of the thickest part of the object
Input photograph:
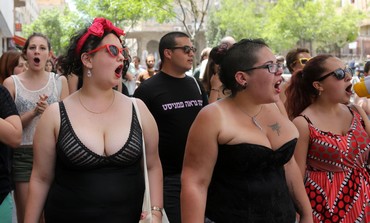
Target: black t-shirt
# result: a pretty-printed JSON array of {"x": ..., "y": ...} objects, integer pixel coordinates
[
  {"x": 7, "y": 108},
  {"x": 174, "y": 103}
]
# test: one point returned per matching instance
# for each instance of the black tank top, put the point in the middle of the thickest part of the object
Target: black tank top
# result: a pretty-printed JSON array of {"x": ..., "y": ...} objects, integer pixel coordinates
[{"x": 88, "y": 187}]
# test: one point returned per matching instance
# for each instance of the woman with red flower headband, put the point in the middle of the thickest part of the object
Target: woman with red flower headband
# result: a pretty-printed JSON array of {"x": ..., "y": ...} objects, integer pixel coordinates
[{"x": 88, "y": 156}]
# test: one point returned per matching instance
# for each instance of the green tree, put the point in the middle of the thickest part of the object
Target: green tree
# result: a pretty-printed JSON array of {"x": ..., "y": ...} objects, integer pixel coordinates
[
  {"x": 288, "y": 23},
  {"x": 238, "y": 18},
  {"x": 57, "y": 26},
  {"x": 126, "y": 13}
]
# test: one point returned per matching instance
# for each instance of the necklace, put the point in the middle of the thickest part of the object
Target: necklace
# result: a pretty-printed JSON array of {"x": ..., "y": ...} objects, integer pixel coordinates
[
  {"x": 254, "y": 120},
  {"x": 94, "y": 112}
]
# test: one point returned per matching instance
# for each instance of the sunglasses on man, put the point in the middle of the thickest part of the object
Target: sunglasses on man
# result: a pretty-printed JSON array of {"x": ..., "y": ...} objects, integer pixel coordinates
[
  {"x": 186, "y": 49},
  {"x": 340, "y": 74}
]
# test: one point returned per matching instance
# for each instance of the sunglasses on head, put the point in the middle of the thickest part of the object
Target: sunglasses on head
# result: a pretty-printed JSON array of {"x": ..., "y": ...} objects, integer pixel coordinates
[
  {"x": 186, "y": 49},
  {"x": 303, "y": 61},
  {"x": 113, "y": 50},
  {"x": 340, "y": 74}
]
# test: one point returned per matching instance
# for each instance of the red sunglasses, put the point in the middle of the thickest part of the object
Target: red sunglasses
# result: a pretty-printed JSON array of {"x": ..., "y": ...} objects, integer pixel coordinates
[{"x": 113, "y": 50}]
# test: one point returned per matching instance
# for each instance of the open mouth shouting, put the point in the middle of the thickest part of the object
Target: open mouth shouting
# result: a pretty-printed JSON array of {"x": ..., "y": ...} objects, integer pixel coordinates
[
  {"x": 36, "y": 60},
  {"x": 118, "y": 71},
  {"x": 349, "y": 90},
  {"x": 277, "y": 86}
]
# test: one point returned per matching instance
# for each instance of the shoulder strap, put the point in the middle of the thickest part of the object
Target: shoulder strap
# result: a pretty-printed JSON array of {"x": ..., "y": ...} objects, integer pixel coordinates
[
  {"x": 307, "y": 119},
  {"x": 196, "y": 82},
  {"x": 146, "y": 203}
]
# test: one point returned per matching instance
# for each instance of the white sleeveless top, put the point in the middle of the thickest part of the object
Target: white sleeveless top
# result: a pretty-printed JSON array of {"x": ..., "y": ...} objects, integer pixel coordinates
[{"x": 25, "y": 100}]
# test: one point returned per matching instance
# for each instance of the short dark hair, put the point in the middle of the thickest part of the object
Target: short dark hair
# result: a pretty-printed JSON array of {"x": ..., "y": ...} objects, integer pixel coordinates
[
  {"x": 292, "y": 55},
  {"x": 168, "y": 41},
  {"x": 240, "y": 56}
]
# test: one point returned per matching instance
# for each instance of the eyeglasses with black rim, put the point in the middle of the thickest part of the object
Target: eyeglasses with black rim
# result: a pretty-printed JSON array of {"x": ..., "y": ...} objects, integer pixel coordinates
[{"x": 272, "y": 68}]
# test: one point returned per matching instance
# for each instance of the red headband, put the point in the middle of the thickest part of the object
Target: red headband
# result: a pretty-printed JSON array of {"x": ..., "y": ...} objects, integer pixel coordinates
[{"x": 97, "y": 28}]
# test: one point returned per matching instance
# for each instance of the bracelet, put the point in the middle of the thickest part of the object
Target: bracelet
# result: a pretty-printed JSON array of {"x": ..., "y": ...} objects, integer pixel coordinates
[
  {"x": 213, "y": 89},
  {"x": 155, "y": 208}
]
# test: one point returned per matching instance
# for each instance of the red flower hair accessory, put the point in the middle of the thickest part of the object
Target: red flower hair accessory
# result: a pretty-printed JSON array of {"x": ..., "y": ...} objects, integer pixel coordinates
[{"x": 97, "y": 28}]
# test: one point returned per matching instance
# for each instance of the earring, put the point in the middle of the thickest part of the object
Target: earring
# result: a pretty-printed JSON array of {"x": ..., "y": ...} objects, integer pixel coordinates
[
  {"x": 245, "y": 85},
  {"x": 89, "y": 73}
]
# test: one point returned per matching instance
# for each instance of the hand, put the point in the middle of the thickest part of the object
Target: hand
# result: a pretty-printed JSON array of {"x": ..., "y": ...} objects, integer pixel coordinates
[
  {"x": 41, "y": 105},
  {"x": 215, "y": 81}
]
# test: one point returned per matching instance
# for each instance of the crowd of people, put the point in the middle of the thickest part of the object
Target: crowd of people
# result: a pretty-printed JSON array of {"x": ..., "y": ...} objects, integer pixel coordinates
[{"x": 235, "y": 142}]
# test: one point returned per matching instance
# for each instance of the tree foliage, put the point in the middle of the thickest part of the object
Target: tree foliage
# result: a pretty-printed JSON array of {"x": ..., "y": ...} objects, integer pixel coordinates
[
  {"x": 126, "y": 13},
  {"x": 288, "y": 23},
  {"x": 238, "y": 18},
  {"x": 57, "y": 26},
  {"x": 318, "y": 25}
]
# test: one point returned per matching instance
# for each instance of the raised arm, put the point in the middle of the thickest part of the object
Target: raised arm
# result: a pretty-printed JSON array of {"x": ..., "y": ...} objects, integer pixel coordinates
[
  {"x": 200, "y": 158},
  {"x": 43, "y": 163}
]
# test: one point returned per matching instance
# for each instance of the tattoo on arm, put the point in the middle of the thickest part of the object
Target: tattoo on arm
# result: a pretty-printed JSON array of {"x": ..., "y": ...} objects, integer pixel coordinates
[{"x": 275, "y": 127}]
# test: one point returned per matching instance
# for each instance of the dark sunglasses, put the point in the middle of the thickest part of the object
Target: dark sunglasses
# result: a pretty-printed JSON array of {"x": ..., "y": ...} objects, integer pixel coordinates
[
  {"x": 340, "y": 74},
  {"x": 113, "y": 50},
  {"x": 186, "y": 49},
  {"x": 272, "y": 68}
]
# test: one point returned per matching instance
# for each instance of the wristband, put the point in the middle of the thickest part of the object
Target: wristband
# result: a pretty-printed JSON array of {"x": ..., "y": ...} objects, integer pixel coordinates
[{"x": 213, "y": 89}]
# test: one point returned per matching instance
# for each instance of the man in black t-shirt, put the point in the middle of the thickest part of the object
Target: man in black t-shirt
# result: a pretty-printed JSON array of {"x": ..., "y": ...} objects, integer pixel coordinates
[{"x": 174, "y": 99}]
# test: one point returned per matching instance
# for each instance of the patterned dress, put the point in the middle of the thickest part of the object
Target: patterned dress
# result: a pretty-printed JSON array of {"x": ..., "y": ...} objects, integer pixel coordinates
[{"x": 337, "y": 180}]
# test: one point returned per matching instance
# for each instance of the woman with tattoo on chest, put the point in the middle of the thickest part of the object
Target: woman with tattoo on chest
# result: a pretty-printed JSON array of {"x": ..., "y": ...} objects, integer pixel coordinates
[{"x": 246, "y": 173}]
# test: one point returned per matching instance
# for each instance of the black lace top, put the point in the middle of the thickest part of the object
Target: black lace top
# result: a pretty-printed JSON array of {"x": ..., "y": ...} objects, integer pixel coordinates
[
  {"x": 249, "y": 185},
  {"x": 89, "y": 187}
]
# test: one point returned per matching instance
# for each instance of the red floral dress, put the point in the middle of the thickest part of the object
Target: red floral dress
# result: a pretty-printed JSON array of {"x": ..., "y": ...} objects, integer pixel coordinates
[{"x": 337, "y": 180}]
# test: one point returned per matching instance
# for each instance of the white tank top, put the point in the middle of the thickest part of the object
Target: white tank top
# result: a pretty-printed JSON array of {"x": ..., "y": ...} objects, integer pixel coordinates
[{"x": 25, "y": 100}]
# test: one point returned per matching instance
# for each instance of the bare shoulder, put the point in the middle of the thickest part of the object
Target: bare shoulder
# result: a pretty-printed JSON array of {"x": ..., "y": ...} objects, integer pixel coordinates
[
  {"x": 52, "y": 110},
  {"x": 9, "y": 84},
  {"x": 300, "y": 122}
]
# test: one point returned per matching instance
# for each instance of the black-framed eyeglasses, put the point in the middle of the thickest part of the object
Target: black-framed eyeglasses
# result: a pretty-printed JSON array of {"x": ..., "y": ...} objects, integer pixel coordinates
[
  {"x": 272, "y": 68},
  {"x": 340, "y": 74},
  {"x": 186, "y": 49}
]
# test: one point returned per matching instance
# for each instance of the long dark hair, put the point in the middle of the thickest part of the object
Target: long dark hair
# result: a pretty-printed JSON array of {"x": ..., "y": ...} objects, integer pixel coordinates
[{"x": 301, "y": 92}]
